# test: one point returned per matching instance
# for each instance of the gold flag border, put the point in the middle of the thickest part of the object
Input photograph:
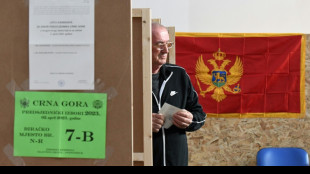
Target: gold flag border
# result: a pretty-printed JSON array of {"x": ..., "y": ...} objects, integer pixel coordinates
[{"x": 302, "y": 74}]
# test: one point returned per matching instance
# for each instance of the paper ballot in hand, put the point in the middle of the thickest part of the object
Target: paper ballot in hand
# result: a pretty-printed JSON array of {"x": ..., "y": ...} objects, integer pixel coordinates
[{"x": 168, "y": 110}]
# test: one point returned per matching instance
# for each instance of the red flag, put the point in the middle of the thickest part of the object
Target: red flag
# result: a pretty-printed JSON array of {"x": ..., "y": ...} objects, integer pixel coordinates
[{"x": 246, "y": 75}]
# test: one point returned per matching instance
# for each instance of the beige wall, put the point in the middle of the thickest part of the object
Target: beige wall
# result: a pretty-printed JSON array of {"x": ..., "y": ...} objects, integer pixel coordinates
[
  {"x": 235, "y": 142},
  {"x": 227, "y": 16}
]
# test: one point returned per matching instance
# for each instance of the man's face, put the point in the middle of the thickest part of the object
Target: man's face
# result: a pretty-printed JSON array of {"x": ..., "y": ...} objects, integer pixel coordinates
[{"x": 159, "y": 36}]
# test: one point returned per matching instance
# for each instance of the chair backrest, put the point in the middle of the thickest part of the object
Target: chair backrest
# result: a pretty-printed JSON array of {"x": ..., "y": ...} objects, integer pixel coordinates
[{"x": 282, "y": 156}]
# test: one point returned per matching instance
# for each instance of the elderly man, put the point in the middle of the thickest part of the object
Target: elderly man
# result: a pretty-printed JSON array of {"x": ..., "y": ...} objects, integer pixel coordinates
[{"x": 171, "y": 85}]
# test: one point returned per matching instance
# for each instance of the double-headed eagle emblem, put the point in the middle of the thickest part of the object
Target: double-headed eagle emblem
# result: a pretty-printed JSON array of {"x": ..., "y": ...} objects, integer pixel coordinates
[{"x": 219, "y": 79}]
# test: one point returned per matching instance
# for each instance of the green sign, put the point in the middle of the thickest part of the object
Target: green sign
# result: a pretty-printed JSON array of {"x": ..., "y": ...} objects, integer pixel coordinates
[{"x": 60, "y": 124}]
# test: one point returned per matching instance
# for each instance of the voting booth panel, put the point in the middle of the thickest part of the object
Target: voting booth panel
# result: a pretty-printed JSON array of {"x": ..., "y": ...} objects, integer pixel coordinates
[
  {"x": 142, "y": 111},
  {"x": 113, "y": 76}
]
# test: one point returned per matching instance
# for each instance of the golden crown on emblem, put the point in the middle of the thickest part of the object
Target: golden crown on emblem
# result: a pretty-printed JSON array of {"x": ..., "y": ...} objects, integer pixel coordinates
[{"x": 219, "y": 55}]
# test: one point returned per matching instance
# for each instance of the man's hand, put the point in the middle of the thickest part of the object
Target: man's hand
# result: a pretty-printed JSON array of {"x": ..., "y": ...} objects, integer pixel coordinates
[
  {"x": 182, "y": 119},
  {"x": 157, "y": 122}
]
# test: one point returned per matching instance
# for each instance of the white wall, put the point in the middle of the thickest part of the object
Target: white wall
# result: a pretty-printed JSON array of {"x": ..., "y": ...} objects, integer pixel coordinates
[{"x": 231, "y": 16}]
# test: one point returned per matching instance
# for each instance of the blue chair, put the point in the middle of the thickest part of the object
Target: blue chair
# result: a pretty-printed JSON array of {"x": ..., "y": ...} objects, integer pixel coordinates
[{"x": 282, "y": 156}]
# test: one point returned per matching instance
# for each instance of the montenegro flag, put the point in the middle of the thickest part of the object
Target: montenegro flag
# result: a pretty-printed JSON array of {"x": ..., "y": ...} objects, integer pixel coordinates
[{"x": 245, "y": 75}]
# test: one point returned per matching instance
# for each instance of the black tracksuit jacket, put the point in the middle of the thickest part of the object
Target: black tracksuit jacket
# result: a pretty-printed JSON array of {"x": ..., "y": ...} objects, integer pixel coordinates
[{"x": 170, "y": 145}]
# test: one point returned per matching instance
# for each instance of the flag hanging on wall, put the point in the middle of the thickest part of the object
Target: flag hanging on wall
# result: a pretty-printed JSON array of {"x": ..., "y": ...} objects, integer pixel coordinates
[{"x": 245, "y": 75}]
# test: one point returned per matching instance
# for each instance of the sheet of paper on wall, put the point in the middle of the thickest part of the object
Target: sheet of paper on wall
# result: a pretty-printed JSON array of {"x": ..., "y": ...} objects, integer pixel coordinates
[
  {"x": 168, "y": 110},
  {"x": 61, "y": 44}
]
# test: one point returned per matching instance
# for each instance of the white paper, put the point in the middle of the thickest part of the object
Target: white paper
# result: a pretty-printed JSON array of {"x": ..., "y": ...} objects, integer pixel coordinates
[
  {"x": 61, "y": 44},
  {"x": 168, "y": 110}
]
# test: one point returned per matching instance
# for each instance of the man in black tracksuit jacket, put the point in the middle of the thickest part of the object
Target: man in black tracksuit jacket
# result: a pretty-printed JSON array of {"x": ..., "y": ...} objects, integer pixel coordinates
[
  {"x": 172, "y": 85},
  {"x": 170, "y": 145}
]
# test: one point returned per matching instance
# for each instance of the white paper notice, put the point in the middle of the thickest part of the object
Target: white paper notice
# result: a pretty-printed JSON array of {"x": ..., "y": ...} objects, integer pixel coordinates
[
  {"x": 61, "y": 44},
  {"x": 168, "y": 110}
]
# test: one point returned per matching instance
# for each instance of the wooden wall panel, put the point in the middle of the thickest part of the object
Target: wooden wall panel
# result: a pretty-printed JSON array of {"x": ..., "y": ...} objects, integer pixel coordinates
[
  {"x": 142, "y": 84},
  {"x": 113, "y": 75}
]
